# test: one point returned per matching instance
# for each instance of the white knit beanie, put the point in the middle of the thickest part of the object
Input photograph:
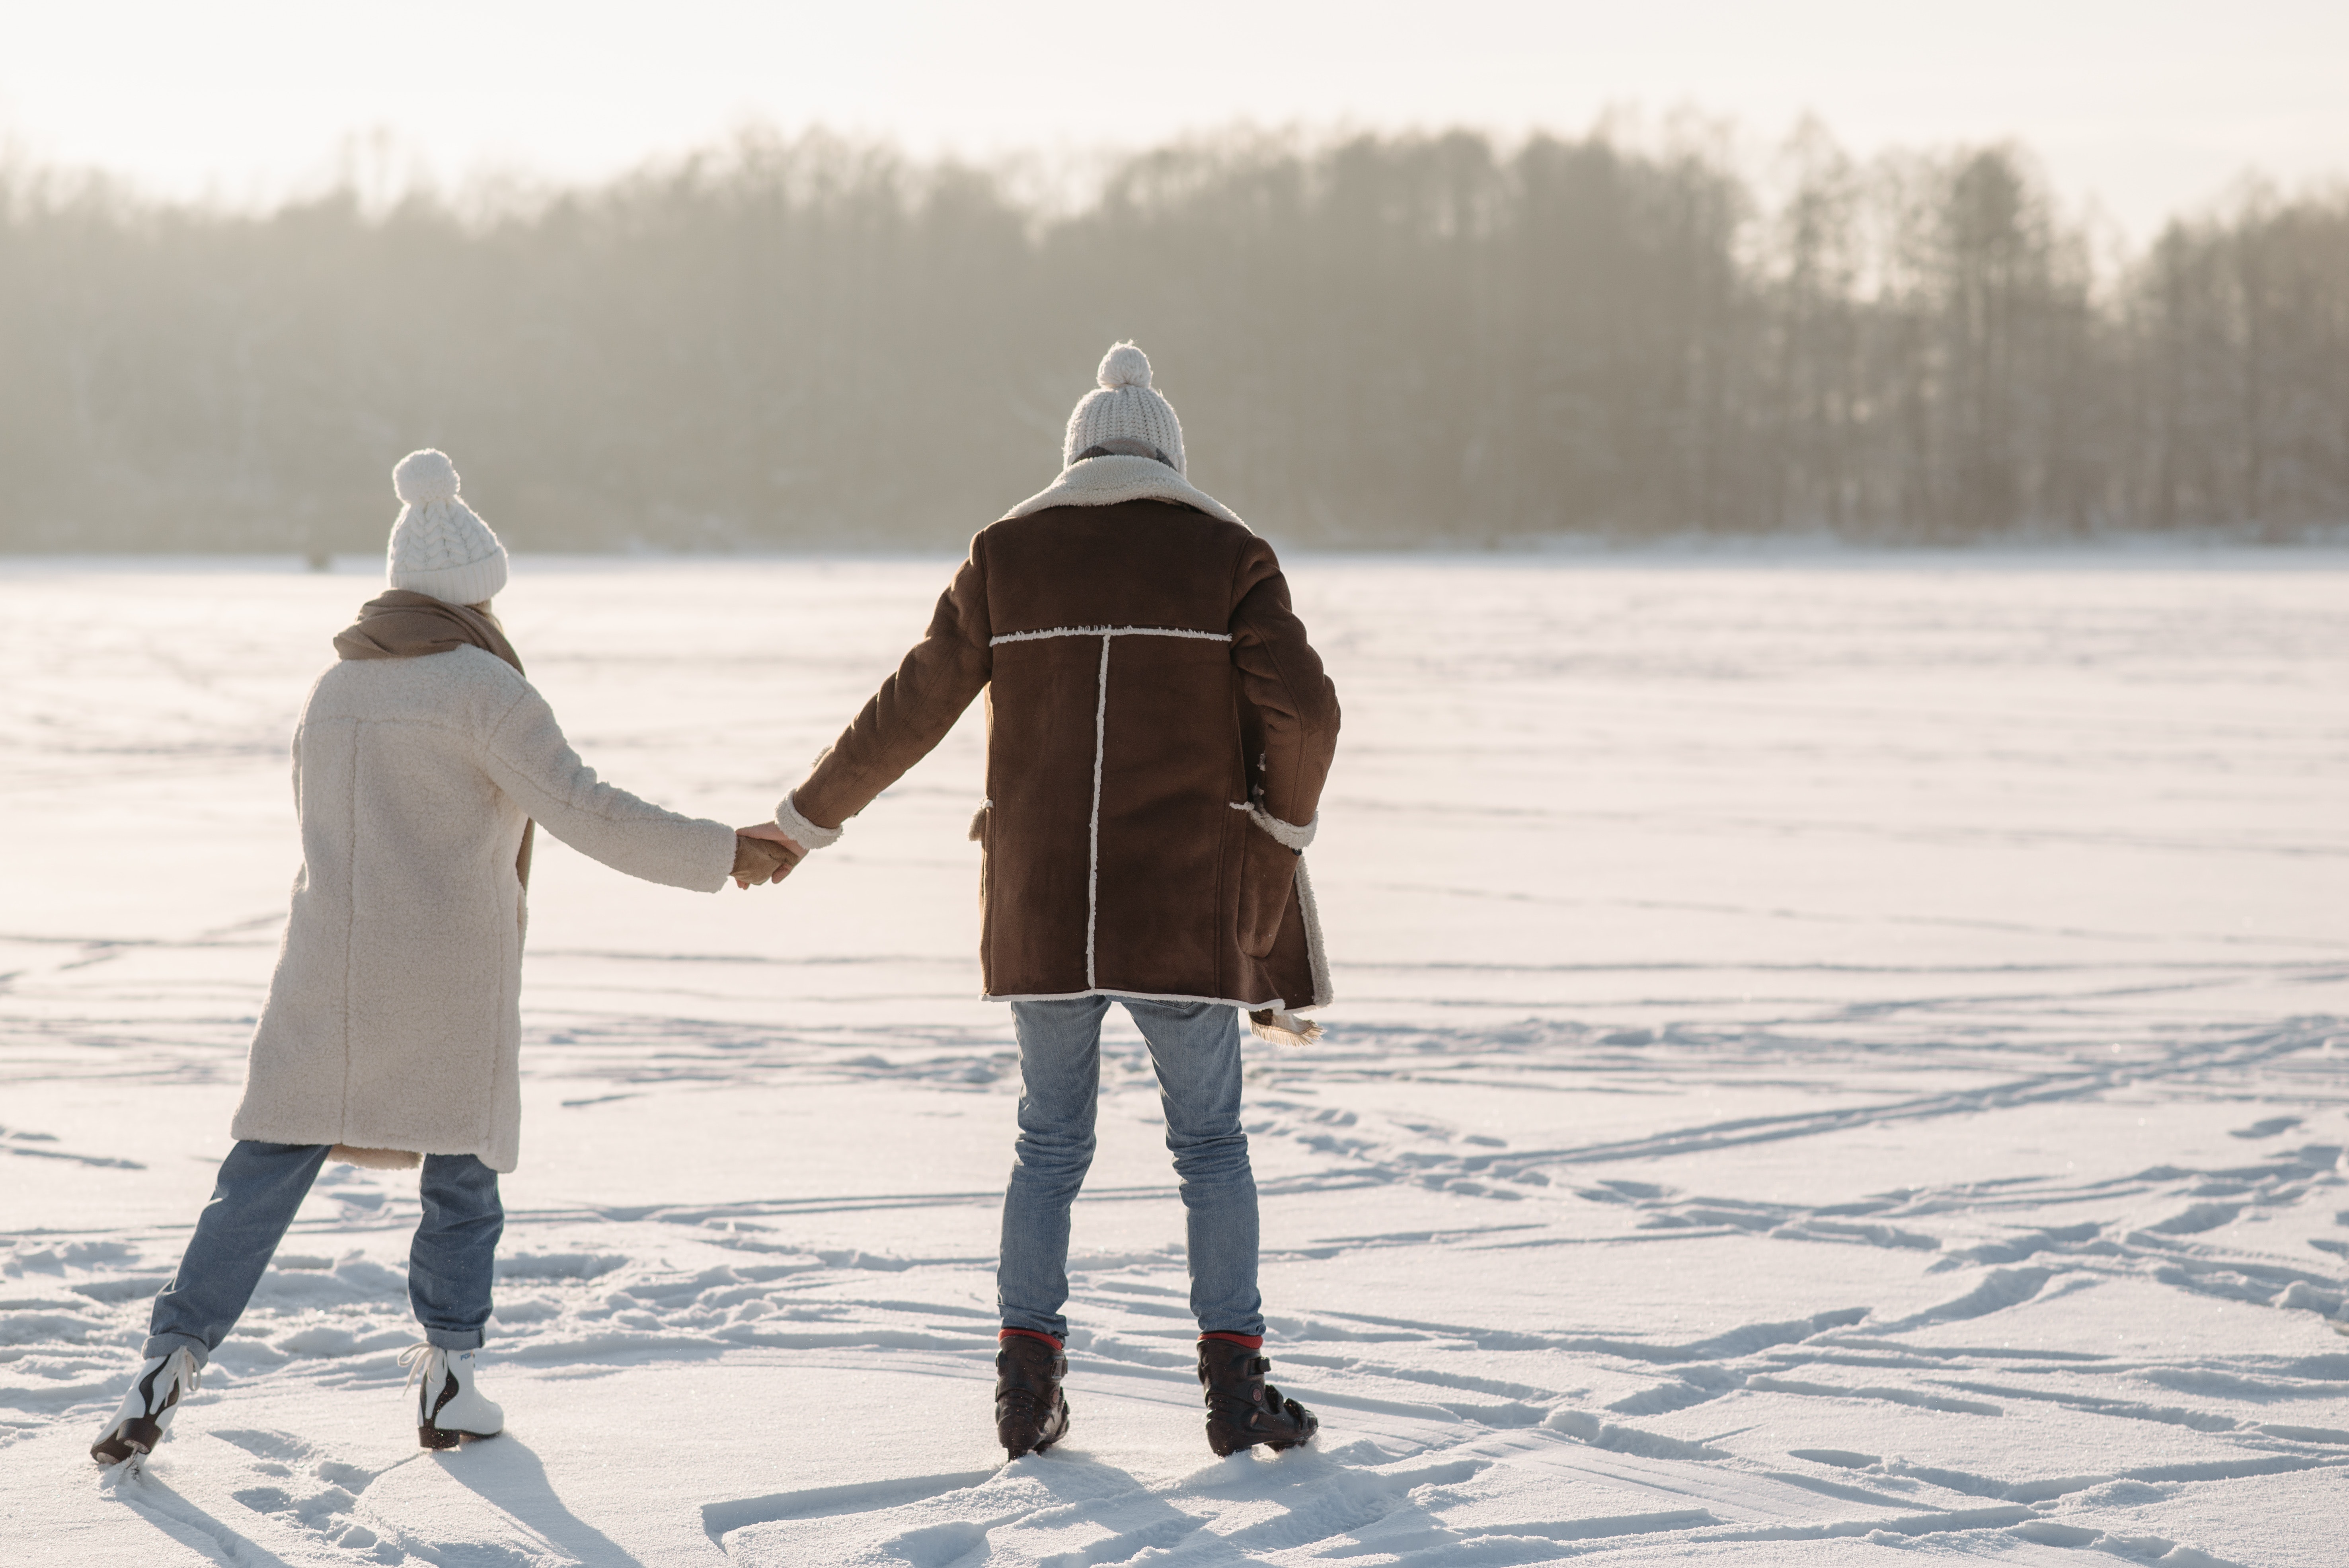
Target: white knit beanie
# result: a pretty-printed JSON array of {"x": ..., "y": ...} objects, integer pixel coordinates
[
  {"x": 438, "y": 545},
  {"x": 1125, "y": 408}
]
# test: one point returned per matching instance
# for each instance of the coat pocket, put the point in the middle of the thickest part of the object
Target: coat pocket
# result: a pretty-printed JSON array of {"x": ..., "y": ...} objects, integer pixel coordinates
[{"x": 1268, "y": 878}]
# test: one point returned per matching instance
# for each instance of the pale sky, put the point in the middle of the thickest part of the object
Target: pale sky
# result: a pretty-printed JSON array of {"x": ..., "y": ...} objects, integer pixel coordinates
[{"x": 2146, "y": 107}]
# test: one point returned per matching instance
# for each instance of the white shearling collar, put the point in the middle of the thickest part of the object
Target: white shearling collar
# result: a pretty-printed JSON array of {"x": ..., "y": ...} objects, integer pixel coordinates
[{"x": 1105, "y": 482}]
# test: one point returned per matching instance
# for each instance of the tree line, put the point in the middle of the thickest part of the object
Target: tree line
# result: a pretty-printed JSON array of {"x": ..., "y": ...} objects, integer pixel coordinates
[{"x": 1381, "y": 340}]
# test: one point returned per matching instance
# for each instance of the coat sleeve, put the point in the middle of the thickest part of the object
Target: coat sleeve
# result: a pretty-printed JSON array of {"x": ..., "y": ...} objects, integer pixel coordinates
[
  {"x": 526, "y": 756},
  {"x": 910, "y": 714},
  {"x": 1281, "y": 679}
]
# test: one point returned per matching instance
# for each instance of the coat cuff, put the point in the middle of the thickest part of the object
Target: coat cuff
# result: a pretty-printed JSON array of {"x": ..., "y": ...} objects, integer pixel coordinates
[
  {"x": 1287, "y": 835},
  {"x": 720, "y": 861},
  {"x": 808, "y": 836}
]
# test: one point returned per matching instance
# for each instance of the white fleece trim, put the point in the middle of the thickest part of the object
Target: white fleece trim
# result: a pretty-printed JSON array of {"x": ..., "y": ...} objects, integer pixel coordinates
[
  {"x": 1135, "y": 996},
  {"x": 1287, "y": 835},
  {"x": 1107, "y": 631},
  {"x": 1317, "y": 953},
  {"x": 810, "y": 836},
  {"x": 1106, "y": 482},
  {"x": 1093, "y": 854}
]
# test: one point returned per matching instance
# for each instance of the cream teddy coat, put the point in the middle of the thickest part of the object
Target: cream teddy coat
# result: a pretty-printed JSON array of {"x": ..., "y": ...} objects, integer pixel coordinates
[{"x": 394, "y": 1017}]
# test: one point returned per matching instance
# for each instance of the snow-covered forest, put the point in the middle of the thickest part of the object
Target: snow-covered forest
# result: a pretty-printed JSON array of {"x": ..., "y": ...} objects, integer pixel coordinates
[{"x": 1389, "y": 339}]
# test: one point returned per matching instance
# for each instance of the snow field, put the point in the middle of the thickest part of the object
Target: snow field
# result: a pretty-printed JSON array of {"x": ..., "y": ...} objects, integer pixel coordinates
[{"x": 1833, "y": 1057}]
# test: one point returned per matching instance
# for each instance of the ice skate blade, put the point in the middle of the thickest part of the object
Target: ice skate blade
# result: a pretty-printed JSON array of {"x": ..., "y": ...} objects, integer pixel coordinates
[
  {"x": 441, "y": 1437},
  {"x": 133, "y": 1438},
  {"x": 1226, "y": 1443},
  {"x": 1278, "y": 1445},
  {"x": 1010, "y": 1453},
  {"x": 1063, "y": 1422}
]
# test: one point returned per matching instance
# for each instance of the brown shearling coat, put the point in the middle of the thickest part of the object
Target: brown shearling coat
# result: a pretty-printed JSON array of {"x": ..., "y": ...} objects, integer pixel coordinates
[{"x": 1146, "y": 678}]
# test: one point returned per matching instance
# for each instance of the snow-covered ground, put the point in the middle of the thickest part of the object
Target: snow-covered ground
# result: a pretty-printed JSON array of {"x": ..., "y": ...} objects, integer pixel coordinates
[{"x": 1834, "y": 1056}]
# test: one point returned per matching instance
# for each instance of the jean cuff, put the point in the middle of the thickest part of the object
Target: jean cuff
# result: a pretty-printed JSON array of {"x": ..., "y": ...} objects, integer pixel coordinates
[
  {"x": 455, "y": 1338},
  {"x": 1055, "y": 1330},
  {"x": 161, "y": 1345},
  {"x": 1033, "y": 1333}
]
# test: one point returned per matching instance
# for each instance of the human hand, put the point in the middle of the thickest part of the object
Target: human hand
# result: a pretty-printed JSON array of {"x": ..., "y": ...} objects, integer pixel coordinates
[
  {"x": 790, "y": 851},
  {"x": 758, "y": 861}
]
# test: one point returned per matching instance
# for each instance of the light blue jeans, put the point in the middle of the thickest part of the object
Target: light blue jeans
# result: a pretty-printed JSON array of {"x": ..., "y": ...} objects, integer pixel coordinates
[
  {"x": 261, "y": 1185},
  {"x": 1195, "y": 1049}
]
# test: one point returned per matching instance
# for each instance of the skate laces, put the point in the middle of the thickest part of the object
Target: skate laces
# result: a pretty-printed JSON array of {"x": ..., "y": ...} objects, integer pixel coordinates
[
  {"x": 180, "y": 1366},
  {"x": 418, "y": 1359}
]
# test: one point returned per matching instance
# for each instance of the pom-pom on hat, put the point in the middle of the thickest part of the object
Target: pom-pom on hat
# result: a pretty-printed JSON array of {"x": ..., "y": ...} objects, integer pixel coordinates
[
  {"x": 438, "y": 545},
  {"x": 1125, "y": 408}
]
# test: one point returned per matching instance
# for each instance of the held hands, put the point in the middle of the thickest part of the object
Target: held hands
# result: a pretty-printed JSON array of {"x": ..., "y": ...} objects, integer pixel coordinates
[
  {"x": 764, "y": 853},
  {"x": 757, "y": 860}
]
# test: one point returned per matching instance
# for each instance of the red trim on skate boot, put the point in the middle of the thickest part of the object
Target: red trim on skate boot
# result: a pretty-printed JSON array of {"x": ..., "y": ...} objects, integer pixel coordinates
[
  {"x": 1248, "y": 1341},
  {"x": 1028, "y": 1333}
]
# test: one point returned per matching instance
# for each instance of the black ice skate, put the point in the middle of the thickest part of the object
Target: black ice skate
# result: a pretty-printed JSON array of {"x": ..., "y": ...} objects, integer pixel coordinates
[
  {"x": 1243, "y": 1409},
  {"x": 1031, "y": 1414}
]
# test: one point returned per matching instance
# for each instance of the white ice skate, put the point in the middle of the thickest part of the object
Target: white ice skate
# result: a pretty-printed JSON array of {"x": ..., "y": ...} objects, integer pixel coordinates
[
  {"x": 449, "y": 1405},
  {"x": 145, "y": 1417}
]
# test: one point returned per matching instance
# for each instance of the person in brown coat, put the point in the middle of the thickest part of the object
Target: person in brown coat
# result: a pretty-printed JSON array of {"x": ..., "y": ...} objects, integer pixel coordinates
[{"x": 1159, "y": 731}]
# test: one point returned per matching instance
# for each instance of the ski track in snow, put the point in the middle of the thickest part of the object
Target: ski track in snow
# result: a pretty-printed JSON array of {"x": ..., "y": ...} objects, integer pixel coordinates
[{"x": 1831, "y": 1059}]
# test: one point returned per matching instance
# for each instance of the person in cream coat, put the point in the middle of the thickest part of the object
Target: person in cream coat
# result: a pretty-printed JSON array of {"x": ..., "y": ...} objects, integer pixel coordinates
[{"x": 423, "y": 764}]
